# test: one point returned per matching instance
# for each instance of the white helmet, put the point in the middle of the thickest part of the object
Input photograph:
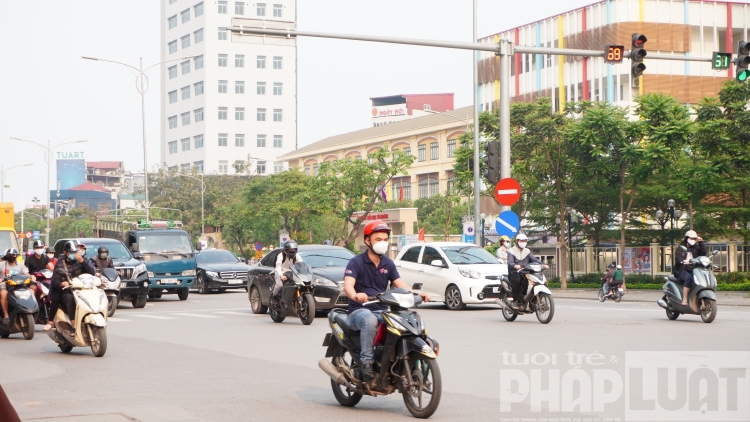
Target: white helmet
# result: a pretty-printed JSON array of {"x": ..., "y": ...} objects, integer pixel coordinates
[
  {"x": 691, "y": 233},
  {"x": 521, "y": 236},
  {"x": 619, "y": 267}
]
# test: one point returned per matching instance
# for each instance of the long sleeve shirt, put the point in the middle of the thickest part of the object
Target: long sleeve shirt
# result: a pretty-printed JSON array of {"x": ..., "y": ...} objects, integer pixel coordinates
[{"x": 520, "y": 257}]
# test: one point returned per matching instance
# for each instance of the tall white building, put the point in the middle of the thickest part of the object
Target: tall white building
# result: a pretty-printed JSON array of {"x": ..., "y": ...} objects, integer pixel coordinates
[{"x": 234, "y": 101}]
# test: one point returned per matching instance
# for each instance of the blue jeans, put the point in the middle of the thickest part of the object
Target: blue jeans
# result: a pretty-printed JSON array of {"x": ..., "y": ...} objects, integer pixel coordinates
[{"x": 365, "y": 321}]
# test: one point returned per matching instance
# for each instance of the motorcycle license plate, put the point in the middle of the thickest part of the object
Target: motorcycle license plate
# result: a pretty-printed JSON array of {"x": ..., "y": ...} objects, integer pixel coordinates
[
  {"x": 168, "y": 281},
  {"x": 235, "y": 281},
  {"x": 619, "y": 288},
  {"x": 123, "y": 285},
  {"x": 495, "y": 290}
]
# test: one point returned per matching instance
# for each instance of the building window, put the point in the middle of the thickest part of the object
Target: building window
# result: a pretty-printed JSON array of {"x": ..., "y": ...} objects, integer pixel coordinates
[
  {"x": 198, "y": 62},
  {"x": 260, "y": 88},
  {"x": 172, "y": 122},
  {"x": 185, "y": 144},
  {"x": 260, "y": 9},
  {"x": 407, "y": 151},
  {"x": 396, "y": 190},
  {"x": 185, "y": 92},
  {"x": 426, "y": 107},
  {"x": 185, "y": 67},
  {"x": 278, "y": 166},
  {"x": 198, "y": 141},
  {"x": 173, "y": 147},
  {"x": 239, "y": 140},
  {"x": 277, "y": 10},
  {"x": 222, "y": 34},
  {"x": 223, "y": 166},
  {"x": 198, "y": 9},
  {"x": 239, "y": 166},
  {"x": 261, "y": 167},
  {"x": 172, "y": 72},
  {"x": 307, "y": 170},
  {"x": 451, "y": 148},
  {"x": 261, "y": 141},
  {"x": 451, "y": 185},
  {"x": 239, "y": 113},
  {"x": 198, "y": 115},
  {"x": 261, "y": 115},
  {"x": 223, "y": 7},
  {"x": 185, "y": 41},
  {"x": 316, "y": 166},
  {"x": 185, "y": 118},
  {"x": 239, "y": 60},
  {"x": 277, "y": 115},
  {"x": 185, "y": 15},
  {"x": 198, "y": 166},
  {"x": 185, "y": 167},
  {"x": 172, "y": 47},
  {"x": 222, "y": 60},
  {"x": 421, "y": 153},
  {"x": 172, "y": 21},
  {"x": 277, "y": 87},
  {"x": 277, "y": 62},
  {"x": 198, "y": 88},
  {"x": 434, "y": 151},
  {"x": 223, "y": 139},
  {"x": 428, "y": 187},
  {"x": 239, "y": 8},
  {"x": 278, "y": 141},
  {"x": 222, "y": 87},
  {"x": 239, "y": 87},
  {"x": 198, "y": 35},
  {"x": 222, "y": 113},
  {"x": 260, "y": 62},
  {"x": 173, "y": 97}
]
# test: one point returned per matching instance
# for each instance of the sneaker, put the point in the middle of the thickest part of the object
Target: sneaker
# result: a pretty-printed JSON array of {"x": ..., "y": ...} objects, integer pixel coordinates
[{"x": 6, "y": 321}]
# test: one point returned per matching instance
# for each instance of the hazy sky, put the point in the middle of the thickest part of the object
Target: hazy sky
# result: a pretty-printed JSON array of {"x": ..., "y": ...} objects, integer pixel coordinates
[{"x": 50, "y": 93}]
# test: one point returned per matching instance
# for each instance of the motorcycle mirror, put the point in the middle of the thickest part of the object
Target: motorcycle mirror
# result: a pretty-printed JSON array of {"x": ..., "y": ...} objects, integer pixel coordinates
[
  {"x": 715, "y": 252},
  {"x": 417, "y": 286}
]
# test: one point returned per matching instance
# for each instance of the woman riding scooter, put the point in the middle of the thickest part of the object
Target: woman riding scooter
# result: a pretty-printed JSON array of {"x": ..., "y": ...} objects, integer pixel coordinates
[{"x": 691, "y": 247}]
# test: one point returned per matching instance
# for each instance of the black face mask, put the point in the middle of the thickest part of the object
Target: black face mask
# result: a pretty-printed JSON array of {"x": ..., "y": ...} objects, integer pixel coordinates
[{"x": 10, "y": 259}]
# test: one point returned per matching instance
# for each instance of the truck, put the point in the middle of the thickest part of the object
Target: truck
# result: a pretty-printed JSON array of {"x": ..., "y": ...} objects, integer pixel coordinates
[
  {"x": 8, "y": 236},
  {"x": 162, "y": 245}
]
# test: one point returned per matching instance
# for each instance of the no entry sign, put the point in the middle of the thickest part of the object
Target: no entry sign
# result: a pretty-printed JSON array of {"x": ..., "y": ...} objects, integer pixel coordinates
[{"x": 507, "y": 191}]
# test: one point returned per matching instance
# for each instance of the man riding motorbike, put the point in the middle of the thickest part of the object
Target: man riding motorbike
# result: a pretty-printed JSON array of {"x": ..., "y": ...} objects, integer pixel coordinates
[
  {"x": 39, "y": 260},
  {"x": 284, "y": 262},
  {"x": 366, "y": 275},
  {"x": 74, "y": 265},
  {"x": 691, "y": 247},
  {"x": 102, "y": 259},
  {"x": 518, "y": 256},
  {"x": 614, "y": 279},
  {"x": 7, "y": 265}
]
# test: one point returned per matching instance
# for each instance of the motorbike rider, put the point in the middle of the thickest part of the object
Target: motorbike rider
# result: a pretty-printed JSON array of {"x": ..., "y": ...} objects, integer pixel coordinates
[
  {"x": 82, "y": 251},
  {"x": 502, "y": 250},
  {"x": 368, "y": 274},
  {"x": 51, "y": 256},
  {"x": 518, "y": 256},
  {"x": 74, "y": 265},
  {"x": 39, "y": 260},
  {"x": 612, "y": 281},
  {"x": 7, "y": 265},
  {"x": 102, "y": 259},
  {"x": 284, "y": 262},
  {"x": 691, "y": 247}
]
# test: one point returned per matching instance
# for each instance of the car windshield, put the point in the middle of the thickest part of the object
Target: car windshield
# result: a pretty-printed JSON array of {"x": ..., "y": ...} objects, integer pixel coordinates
[
  {"x": 164, "y": 243},
  {"x": 8, "y": 240},
  {"x": 215, "y": 256},
  {"x": 327, "y": 257},
  {"x": 116, "y": 250},
  {"x": 468, "y": 255}
]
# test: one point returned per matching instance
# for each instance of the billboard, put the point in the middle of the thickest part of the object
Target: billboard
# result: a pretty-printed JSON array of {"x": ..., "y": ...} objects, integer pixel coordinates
[{"x": 70, "y": 173}]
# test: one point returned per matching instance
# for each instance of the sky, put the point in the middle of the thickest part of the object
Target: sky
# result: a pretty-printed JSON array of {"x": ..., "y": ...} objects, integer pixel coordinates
[{"x": 51, "y": 94}]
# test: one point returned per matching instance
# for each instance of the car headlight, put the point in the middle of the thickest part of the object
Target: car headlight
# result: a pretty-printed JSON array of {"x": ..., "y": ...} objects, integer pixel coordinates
[
  {"x": 22, "y": 294},
  {"x": 139, "y": 269},
  {"x": 150, "y": 274},
  {"x": 322, "y": 281},
  {"x": 208, "y": 273},
  {"x": 468, "y": 273},
  {"x": 188, "y": 272}
]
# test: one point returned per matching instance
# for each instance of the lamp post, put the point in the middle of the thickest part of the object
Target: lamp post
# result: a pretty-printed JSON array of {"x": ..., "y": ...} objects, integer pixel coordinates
[
  {"x": 203, "y": 190},
  {"x": 2, "y": 178},
  {"x": 481, "y": 225},
  {"x": 141, "y": 84},
  {"x": 48, "y": 159},
  {"x": 673, "y": 215},
  {"x": 570, "y": 218},
  {"x": 22, "y": 206}
]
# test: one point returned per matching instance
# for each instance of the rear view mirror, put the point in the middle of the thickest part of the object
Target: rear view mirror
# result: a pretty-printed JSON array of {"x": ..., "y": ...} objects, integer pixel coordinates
[
  {"x": 134, "y": 247},
  {"x": 243, "y": 260},
  {"x": 137, "y": 255},
  {"x": 715, "y": 252},
  {"x": 437, "y": 263},
  {"x": 417, "y": 286},
  {"x": 198, "y": 246}
]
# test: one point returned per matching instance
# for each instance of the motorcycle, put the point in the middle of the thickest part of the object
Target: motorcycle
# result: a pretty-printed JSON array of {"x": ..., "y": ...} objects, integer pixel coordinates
[
  {"x": 405, "y": 356},
  {"x": 43, "y": 281},
  {"x": 296, "y": 295},
  {"x": 22, "y": 307},
  {"x": 110, "y": 282},
  {"x": 538, "y": 298},
  {"x": 90, "y": 318},
  {"x": 702, "y": 296},
  {"x": 616, "y": 295}
]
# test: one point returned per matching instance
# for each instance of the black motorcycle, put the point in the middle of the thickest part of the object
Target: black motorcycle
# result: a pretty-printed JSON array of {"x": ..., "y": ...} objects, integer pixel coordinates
[
  {"x": 22, "y": 307},
  {"x": 405, "y": 356},
  {"x": 296, "y": 295}
]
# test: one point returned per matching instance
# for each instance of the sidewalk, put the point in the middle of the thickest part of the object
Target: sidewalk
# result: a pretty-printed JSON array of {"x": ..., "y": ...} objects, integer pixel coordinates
[{"x": 724, "y": 298}]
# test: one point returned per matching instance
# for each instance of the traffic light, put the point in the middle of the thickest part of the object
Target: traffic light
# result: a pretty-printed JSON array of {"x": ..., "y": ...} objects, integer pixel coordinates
[
  {"x": 743, "y": 60},
  {"x": 637, "y": 54},
  {"x": 492, "y": 161}
]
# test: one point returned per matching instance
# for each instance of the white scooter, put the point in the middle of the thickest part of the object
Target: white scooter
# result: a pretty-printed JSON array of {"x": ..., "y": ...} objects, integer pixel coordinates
[
  {"x": 538, "y": 298},
  {"x": 90, "y": 319}
]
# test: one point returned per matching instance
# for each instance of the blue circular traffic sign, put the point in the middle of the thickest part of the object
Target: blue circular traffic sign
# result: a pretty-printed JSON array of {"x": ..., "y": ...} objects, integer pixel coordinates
[{"x": 507, "y": 224}]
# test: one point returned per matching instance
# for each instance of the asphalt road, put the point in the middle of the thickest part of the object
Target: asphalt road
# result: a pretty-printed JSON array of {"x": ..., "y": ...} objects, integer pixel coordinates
[{"x": 210, "y": 359}]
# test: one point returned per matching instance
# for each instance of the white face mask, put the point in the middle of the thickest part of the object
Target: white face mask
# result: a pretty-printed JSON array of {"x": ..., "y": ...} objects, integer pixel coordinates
[
  {"x": 521, "y": 244},
  {"x": 691, "y": 242},
  {"x": 380, "y": 248},
  {"x": 39, "y": 251}
]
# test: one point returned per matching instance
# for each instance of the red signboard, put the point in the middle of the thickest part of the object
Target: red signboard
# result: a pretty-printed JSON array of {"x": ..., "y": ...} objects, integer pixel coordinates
[{"x": 507, "y": 191}]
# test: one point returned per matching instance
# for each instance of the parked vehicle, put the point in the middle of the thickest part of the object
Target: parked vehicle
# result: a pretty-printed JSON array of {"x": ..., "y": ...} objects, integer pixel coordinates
[
  {"x": 43, "y": 281},
  {"x": 405, "y": 357},
  {"x": 702, "y": 296},
  {"x": 90, "y": 320},
  {"x": 22, "y": 307},
  {"x": 450, "y": 272},
  {"x": 162, "y": 246},
  {"x": 538, "y": 299},
  {"x": 134, "y": 279},
  {"x": 328, "y": 263},
  {"x": 220, "y": 270}
]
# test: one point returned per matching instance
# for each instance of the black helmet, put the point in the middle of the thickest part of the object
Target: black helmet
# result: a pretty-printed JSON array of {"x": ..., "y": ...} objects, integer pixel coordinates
[
  {"x": 50, "y": 249},
  {"x": 38, "y": 244},
  {"x": 70, "y": 246},
  {"x": 290, "y": 248},
  {"x": 102, "y": 250},
  {"x": 327, "y": 242}
]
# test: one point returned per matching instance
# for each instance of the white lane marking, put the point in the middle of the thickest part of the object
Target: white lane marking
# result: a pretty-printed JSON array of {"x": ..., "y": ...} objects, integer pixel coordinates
[
  {"x": 619, "y": 309},
  {"x": 196, "y": 315},
  {"x": 113, "y": 319},
  {"x": 152, "y": 316},
  {"x": 234, "y": 313},
  {"x": 508, "y": 226},
  {"x": 507, "y": 191}
]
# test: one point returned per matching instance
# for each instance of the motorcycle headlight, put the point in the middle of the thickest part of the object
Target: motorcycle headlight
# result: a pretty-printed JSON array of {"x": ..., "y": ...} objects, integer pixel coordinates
[
  {"x": 208, "y": 273},
  {"x": 395, "y": 324},
  {"x": 22, "y": 294},
  {"x": 536, "y": 279},
  {"x": 88, "y": 283},
  {"x": 322, "y": 281},
  {"x": 139, "y": 269},
  {"x": 468, "y": 273},
  {"x": 188, "y": 272}
]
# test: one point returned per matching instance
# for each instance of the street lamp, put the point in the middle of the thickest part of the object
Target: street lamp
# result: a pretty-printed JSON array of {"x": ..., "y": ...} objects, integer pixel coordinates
[
  {"x": 22, "y": 206},
  {"x": 2, "y": 178},
  {"x": 202, "y": 192},
  {"x": 570, "y": 218},
  {"x": 141, "y": 84},
  {"x": 673, "y": 215},
  {"x": 48, "y": 159}
]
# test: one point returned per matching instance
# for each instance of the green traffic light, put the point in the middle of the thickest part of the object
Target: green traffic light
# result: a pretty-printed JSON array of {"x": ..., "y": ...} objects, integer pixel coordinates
[{"x": 743, "y": 75}]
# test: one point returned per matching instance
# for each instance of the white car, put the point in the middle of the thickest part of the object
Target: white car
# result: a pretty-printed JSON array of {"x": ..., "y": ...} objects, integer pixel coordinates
[{"x": 451, "y": 272}]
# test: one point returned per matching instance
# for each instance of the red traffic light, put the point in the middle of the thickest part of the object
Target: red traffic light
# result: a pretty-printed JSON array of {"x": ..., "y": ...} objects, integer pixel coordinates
[{"x": 639, "y": 40}]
